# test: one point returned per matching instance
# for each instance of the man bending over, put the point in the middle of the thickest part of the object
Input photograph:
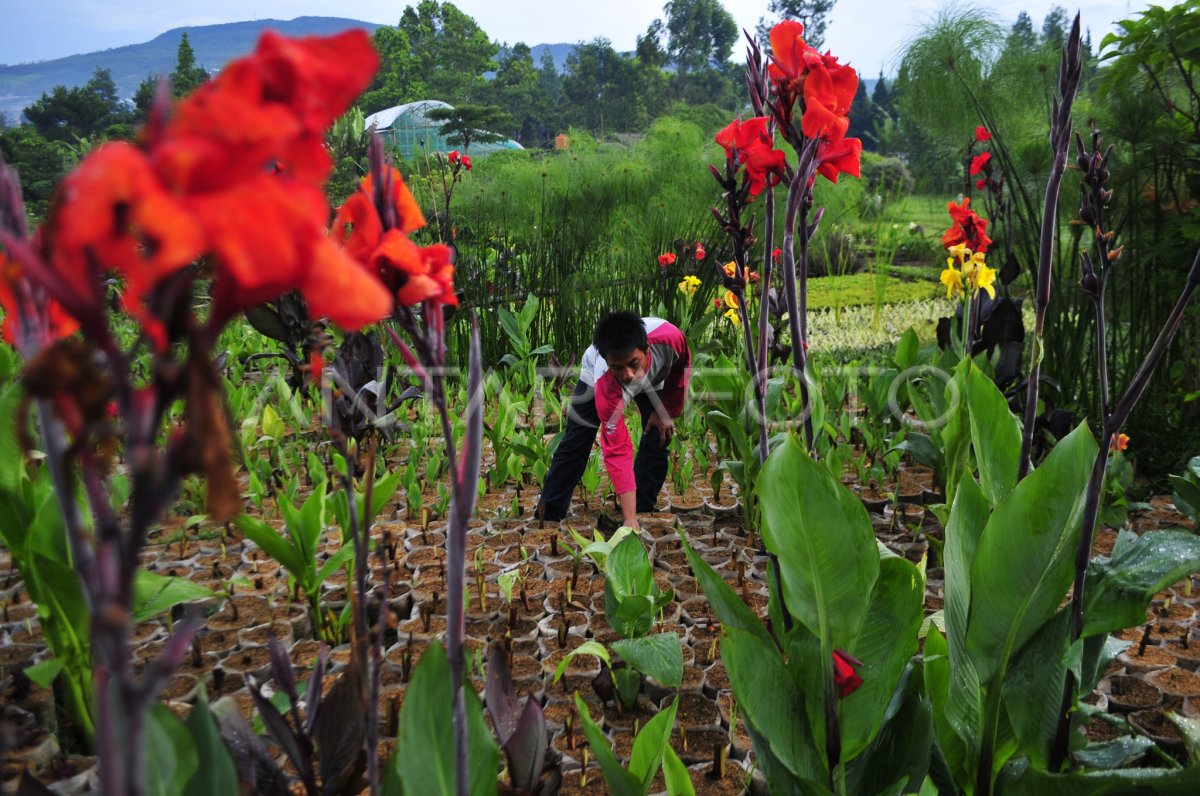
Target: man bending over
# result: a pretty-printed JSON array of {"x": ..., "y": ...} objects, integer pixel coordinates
[{"x": 645, "y": 360}]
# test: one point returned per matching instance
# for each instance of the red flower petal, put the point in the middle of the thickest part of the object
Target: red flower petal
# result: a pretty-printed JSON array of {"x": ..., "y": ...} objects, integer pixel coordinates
[{"x": 979, "y": 162}]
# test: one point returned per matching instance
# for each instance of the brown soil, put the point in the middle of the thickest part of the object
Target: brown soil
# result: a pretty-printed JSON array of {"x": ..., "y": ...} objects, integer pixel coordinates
[
  {"x": 1130, "y": 693},
  {"x": 696, "y": 711},
  {"x": 249, "y": 659},
  {"x": 1145, "y": 660},
  {"x": 1098, "y": 730},
  {"x": 1154, "y": 723},
  {"x": 1176, "y": 682}
]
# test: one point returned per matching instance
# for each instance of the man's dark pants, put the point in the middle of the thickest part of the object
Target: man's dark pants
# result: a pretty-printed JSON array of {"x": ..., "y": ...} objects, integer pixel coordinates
[{"x": 571, "y": 456}]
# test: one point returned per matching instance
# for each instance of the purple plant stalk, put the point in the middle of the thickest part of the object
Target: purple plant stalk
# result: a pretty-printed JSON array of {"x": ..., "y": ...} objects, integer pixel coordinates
[
  {"x": 367, "y": 651},
  {"x": 106, "y": 558},
  {"x": 1060, "y": 141},
  {"x": 758, "y": 85},
  {"x": 427, "y": 358},
  {"x": 1094, "y": 199}
]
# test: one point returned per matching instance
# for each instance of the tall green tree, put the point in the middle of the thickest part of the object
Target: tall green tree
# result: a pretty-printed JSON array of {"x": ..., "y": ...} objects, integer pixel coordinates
[
  {"x": 700, "y": 38},
  {"x": 396, "y": 80},
  {"x": 40, "y": 164},
  {"x": 600, "y": 89},
  {"x": 185, "y": 78},
  {"x": 862, "y": 117},
  {"x": 813, "y": 14},
  {"x": 516, "y": 89},
  {"x": 1022, "y": 35},
  {"x": 69, "y": 114},
  {"x": 1054, "y": 28},
  {"x": 451, "y": 52}
]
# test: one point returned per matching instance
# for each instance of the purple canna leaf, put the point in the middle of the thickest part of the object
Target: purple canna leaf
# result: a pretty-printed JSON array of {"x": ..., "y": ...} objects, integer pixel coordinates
[
  {"x": 472, "y": 459},
  {"x": 339, "y": 734},
  {"x": 499, "y": 695},
  {"x": 281, "y": 669},
  {"x": 312, "y": 697},
  {"x": 525, "y": 749},
  {"x": 292, "y": 744}
]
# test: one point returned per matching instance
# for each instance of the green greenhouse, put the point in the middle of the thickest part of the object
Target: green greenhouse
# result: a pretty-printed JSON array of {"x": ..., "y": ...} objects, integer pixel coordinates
[{"x": 408, "y": 129}]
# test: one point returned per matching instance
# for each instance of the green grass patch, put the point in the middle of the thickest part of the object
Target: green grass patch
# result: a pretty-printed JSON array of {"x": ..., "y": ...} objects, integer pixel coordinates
[
  {"x": 928, "y": 210},
  {"x": 856, "y": 290}
]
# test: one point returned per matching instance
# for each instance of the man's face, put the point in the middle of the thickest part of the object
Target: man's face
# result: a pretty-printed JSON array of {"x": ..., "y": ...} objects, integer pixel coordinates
[{"x": 628, "y": 367}]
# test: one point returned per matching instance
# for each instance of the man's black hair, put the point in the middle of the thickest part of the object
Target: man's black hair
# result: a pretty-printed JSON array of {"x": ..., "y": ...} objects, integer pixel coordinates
[{"x": 619, "y": 332}]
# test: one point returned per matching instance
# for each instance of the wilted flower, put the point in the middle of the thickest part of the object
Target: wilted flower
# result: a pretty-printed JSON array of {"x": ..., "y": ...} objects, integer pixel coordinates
[{"x": 844, "y": 676}]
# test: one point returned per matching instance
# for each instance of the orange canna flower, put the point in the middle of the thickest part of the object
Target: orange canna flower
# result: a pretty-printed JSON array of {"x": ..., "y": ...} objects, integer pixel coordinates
[
  {"x": 414, "y": 273},
  {"x": 787, "y": 52},
  {"x": 339, "y": 288},
  {"x": 1119, "y": 443},
  {"x": 58, "y": 323}
]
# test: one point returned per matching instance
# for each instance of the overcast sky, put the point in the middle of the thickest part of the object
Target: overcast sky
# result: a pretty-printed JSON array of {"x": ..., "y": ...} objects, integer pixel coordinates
[{"x": 866, "y": 33}]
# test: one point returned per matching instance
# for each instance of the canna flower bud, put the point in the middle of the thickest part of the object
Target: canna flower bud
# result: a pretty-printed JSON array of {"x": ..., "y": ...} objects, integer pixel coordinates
[{"x": 1088, "y": 283}]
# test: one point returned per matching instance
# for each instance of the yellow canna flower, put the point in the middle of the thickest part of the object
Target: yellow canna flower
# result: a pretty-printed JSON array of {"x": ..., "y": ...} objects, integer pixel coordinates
[
  {"x": 732, "y": 316},
  {"x": 984, "y": 278},
  {"x": 689, "y": 284},
  {"x": 959, "y": 252},
  {"x": 952, "y": 278}
]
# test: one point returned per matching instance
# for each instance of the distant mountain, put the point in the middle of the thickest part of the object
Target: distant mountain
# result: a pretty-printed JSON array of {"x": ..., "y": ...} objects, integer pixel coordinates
[{"x": 215, "y": 45}]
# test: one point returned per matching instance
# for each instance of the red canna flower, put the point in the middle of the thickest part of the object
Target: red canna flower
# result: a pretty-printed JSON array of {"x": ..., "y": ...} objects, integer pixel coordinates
[
  {"x": 752, "y": 144},
  {"x": 316, "y": 366},
  {"x": 979, "y": 162},
  {"x": 844, "y": 676},
  {"x": 775, "y": 255},
  {"x": 982, "y": 135},
  {"x": 764, "y": 165},
  {"x": 453, "y": 157},
  {"x": 839, "y": 157},
  {"x": 968, "y": 228},
  {"x": 666, "y": 259},
  {"x": 700, "y": 253},
  {"x": 829, "y": 91},
  {"x": 738, "y": 136},
  {"x": 113, "y": 214},
  {"x": 981, "y": 184},
  {"x": 466, "y": 161}
]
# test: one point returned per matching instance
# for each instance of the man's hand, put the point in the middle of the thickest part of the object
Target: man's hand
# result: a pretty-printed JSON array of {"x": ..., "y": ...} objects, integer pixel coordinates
[{"x": 665, "y": 425}]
